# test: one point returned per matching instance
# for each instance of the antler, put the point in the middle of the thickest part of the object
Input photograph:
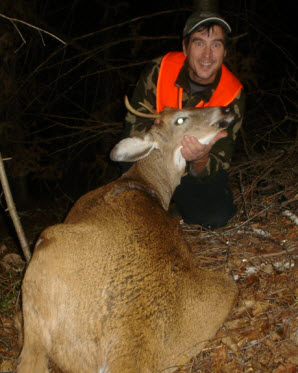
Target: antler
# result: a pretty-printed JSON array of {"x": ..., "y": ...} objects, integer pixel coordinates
[
  {"x": 147, "y": 107},
  {"x": 138, "y": 113}
]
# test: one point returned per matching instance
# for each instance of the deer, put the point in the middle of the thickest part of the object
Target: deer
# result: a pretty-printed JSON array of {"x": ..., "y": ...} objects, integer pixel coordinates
[{"x": 116, "y": 287}]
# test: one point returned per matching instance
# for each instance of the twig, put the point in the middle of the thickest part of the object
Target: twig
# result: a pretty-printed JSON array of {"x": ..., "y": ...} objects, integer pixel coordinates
[
  {"x": 245, "y": 143},
  {"x": 242, "y": 194},
  {"x": 252, "y": 217},
  {"x": 289, "y": 201},
  {"x": 279, "y": 46},
  {"x": 283, "y": 252},
  {"x": 19, "y": 32},
  {"x": 14, "y": 20},
  {"x": 119, "y": 25},
  {"x": 254, "y": 231},
  {"x": 270, "y": 334},
  {"x": 291, "y": 216},
  {"x": 13, "y": 213}
]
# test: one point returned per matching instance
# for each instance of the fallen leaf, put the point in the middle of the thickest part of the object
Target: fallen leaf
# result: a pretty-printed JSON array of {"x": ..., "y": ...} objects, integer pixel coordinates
[
  {"x": 12, "y": 260},
  {"x": 230, "y": 343},
  {"x": 289, "y": 351},
  {"x": 285, "y": 368}
]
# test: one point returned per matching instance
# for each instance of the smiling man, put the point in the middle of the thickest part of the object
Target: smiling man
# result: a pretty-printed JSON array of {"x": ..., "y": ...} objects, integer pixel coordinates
[
  {"x": 196, "y": 77},
  {"x": 205, "y": 51}
]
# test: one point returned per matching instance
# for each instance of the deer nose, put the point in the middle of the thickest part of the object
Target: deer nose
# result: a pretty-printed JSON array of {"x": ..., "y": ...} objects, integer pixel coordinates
[{"x": 227, "y": 109}]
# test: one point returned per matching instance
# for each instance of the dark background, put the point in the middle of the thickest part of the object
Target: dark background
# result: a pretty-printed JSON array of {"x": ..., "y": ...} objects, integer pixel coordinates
[{"x": 61, "y": 105}]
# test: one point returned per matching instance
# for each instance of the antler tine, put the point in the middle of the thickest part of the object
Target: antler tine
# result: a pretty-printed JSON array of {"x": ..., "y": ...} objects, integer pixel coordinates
[
  {"x": 147, "y": 107},
  {"x": 138, "y": 113}
]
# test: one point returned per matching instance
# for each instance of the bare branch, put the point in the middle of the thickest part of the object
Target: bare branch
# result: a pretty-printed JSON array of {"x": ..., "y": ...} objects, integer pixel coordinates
[
  {"x": 270, "y": 334},
  {"x": 14, "y": 20},
  {"x": 12, "y": 211}
]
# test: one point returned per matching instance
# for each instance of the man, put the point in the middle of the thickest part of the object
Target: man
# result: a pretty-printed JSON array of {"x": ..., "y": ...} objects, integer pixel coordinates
[{"x": 196, "y": 77}]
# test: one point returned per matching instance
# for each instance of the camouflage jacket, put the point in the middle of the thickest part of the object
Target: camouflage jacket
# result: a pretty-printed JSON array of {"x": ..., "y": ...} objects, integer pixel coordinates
[{"x": 145, "y": 92}]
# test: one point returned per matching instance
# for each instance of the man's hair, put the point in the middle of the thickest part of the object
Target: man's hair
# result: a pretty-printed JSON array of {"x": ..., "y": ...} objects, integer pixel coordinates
[{"x": 207, "y": 26}]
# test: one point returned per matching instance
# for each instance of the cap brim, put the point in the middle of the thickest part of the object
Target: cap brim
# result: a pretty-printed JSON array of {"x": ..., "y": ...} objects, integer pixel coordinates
[{"x": 217, "y": 20}]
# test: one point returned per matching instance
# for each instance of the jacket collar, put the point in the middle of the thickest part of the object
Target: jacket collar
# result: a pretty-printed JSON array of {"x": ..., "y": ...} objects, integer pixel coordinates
[{"x": 183, "y": 81}]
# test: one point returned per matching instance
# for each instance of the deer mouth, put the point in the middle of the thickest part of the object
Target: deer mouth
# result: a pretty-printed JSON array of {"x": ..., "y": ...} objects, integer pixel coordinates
[{"x": 224, "y": 123}]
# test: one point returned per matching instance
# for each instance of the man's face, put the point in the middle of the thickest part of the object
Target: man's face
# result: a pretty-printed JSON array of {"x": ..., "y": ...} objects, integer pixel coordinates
[{"x": 205, "y": 53}]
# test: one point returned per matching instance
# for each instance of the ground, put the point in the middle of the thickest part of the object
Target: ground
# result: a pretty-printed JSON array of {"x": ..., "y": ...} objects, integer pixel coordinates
[{"x": 258, "y": 248}]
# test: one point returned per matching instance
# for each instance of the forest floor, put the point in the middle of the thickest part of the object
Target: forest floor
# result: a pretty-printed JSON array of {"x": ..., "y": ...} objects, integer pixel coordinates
[{"x": 258, "y": 247}]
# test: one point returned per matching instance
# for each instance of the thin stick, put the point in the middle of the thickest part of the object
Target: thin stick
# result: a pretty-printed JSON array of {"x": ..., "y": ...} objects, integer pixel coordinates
[
  {"x": 284, "y": 252},
  {"x": 14, "y": 20},
  {"x": 13, "y": 212},
  {"x": 269, "y": 335},
  {"x": 242, "y": 194}
]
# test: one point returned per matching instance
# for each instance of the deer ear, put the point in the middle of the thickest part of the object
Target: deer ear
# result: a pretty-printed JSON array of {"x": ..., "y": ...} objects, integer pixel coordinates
[{"x": 132, "y": 149}]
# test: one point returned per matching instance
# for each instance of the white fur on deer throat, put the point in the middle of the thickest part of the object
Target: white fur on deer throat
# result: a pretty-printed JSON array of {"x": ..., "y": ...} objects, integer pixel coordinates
[
  {"x": 103, "y": 369},
  {"x": 179, "y": 160},
  {"x": 206, "y": 140}
]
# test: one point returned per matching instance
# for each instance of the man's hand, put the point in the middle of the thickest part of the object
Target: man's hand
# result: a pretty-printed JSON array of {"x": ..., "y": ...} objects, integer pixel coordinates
[
  {"x": 197, "y": 153},
  {"x": 193, "y": 150}
]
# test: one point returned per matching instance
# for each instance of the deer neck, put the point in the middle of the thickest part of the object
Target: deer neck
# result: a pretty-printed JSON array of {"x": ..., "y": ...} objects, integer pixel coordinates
[{"x": 153, "y": 172}]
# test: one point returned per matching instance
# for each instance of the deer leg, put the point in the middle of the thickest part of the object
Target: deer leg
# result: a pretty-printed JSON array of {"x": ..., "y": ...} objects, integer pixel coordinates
[{"x": 33, "y": 357}]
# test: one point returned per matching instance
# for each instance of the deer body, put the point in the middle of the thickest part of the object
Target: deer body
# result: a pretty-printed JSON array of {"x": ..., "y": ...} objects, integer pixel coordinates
[{"x": 115, "y": 288}]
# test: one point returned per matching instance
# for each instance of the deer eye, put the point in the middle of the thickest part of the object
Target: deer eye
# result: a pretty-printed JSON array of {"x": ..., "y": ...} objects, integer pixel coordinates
[{"x": 180, "y": 121}]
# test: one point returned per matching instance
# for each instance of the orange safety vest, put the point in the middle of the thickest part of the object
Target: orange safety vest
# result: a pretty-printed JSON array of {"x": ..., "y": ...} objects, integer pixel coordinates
[{"x": 167, "y": 94}]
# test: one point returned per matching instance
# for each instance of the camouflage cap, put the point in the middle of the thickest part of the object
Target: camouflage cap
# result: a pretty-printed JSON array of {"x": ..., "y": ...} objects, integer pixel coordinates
[{"x": 198, "y": 18}]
